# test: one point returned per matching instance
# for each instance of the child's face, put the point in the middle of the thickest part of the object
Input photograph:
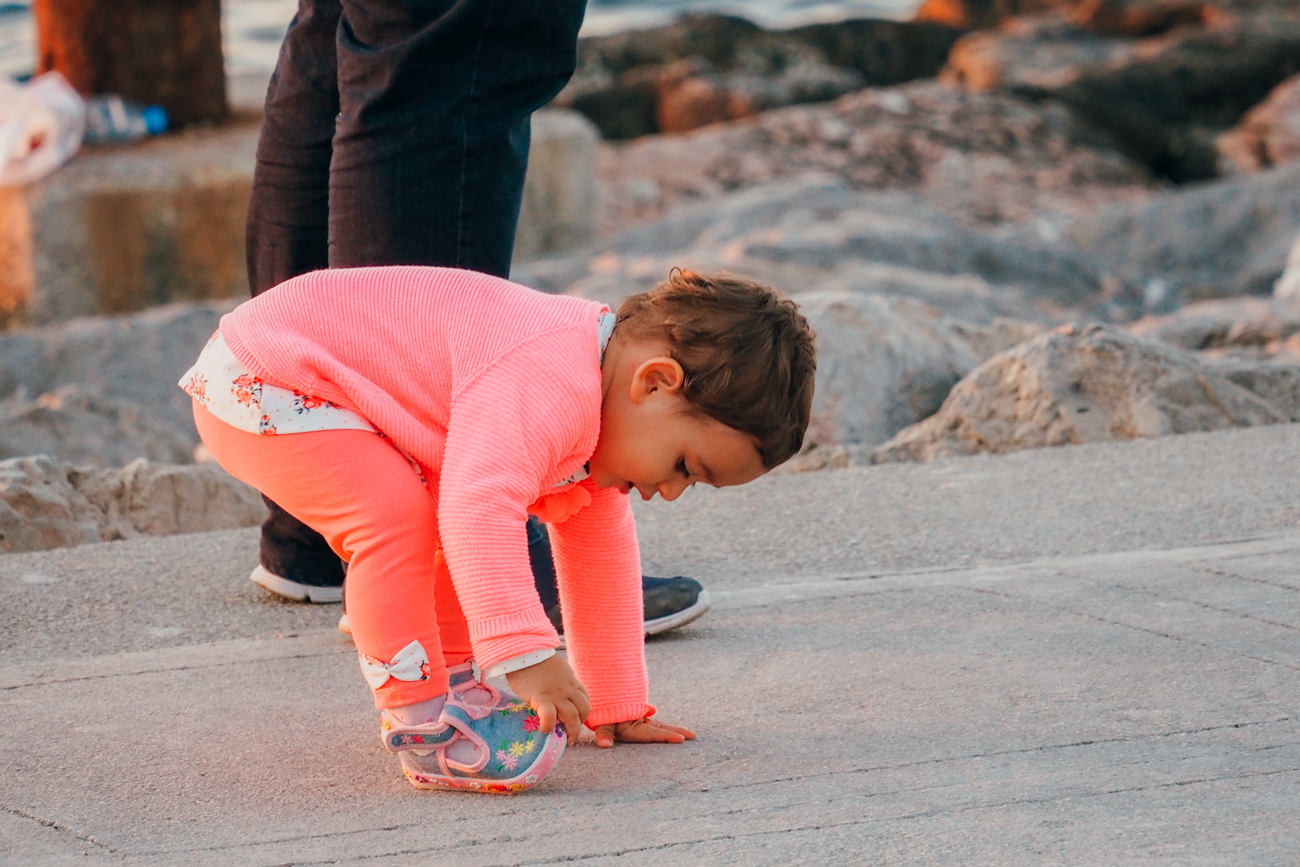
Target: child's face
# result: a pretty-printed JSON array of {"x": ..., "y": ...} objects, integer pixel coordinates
[{"x": 650, "y": 440}]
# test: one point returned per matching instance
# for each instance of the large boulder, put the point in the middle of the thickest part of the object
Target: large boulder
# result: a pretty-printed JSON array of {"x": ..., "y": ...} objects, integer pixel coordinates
[
  {"x": 1287, "y": 287},
  {"x": 707, "y": 68},
  {"x": 1269, "y": 134},
  {"x": 90, "y": 429},
  {"x": 982, "y": 157},
  {"x": 1130, "y": 17},
  {"x": 885, "y": 363},
  {"x": 1079, "y": 385},
  {"x": 1242, "y": 326},
  {"x": 1162, "y": 97},
  {"x": 1277, "y": 383},
  {"x": 558, "y": 210},
  {"x": 1221, "y": 239},
  {"x": 136, "y": 358},
  {"x": 810, "y": 235},
  {"x": 45, "y": 503}
]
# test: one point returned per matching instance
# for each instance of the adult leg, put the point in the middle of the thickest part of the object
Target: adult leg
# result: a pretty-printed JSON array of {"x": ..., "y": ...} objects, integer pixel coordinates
[
  {"x": 431, "y": 142},
  {"x": 287, "y": 230},
  {"x": 287, "y": 234}
]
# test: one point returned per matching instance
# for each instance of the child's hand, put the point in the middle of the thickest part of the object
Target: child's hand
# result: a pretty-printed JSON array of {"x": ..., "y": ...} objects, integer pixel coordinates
[
  {"x": 641, "y": 731},
  {"x": 554, "y": 692}
]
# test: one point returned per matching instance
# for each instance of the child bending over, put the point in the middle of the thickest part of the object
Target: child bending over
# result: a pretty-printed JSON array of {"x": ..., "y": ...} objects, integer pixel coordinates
[{"x": 415, "y": 416}]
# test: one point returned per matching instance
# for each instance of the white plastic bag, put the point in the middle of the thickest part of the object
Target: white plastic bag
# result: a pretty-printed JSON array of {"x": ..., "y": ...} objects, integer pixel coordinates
[{"x": 41, "y": 125}]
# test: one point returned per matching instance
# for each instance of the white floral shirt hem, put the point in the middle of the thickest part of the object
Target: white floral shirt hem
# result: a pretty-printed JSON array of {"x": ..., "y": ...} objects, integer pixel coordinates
[{"x": 230, "y": 391}]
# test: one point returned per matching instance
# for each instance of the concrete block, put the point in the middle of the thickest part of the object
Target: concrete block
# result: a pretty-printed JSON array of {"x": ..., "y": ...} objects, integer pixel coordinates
[
  {"x": 560, "y": 197},
  {"x": 17, "y": 276},
  {"x": 125, "y": 228}
]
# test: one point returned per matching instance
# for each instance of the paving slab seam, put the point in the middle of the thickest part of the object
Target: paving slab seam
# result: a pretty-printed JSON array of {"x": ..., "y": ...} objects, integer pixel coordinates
[
  {"x": 58, "y": 826},
  {"x": 822, "y": 585},
  {"x": 1223, "y": 573},
  {"x": 1133, "y": 588},
  {"x": 1041, "y": 748},
  {"x": 1097, "y": 617},
  {"x": 181, "y": 658},
  {"x": 797, "y": 828}
]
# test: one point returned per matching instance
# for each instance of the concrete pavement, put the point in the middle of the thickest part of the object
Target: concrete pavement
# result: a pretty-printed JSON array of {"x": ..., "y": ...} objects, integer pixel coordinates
[{"x": 1068, "y": 656}]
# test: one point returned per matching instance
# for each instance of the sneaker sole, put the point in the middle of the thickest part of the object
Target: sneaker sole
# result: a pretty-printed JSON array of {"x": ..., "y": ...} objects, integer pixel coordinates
[
  {"x": 293, "y": 590},
  {"x": 534, "y": 776},
  {"x": 672, "y": 621},
  {"x": 680, "y": 618}
]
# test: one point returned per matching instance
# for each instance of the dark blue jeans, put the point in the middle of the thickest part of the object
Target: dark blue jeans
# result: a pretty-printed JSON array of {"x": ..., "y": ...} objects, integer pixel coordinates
[{"x": 396, "y": 133}]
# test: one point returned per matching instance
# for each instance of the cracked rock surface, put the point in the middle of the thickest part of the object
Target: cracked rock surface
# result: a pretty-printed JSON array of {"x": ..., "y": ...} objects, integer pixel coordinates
[{"x": 47, "y": 503}]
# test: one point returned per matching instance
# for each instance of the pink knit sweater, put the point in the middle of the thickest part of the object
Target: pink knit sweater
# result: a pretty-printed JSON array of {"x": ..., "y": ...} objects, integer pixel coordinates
[{"x": 496, "y": 391}]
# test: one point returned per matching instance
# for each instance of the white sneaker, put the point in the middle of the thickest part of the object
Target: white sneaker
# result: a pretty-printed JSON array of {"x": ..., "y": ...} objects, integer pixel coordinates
[{"x": 294, "y": 590}]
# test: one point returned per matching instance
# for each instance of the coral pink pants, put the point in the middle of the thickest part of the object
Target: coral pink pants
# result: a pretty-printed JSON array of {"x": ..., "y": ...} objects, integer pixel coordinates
[{"x": 360, "y": 493}]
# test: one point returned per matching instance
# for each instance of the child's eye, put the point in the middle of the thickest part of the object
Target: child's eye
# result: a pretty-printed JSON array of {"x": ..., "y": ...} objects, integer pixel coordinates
[{"x": 681, "y": 467}]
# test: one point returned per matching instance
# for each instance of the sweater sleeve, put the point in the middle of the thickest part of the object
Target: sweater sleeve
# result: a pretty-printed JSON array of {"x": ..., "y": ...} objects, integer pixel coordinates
[
  {"x": 598, "y": 565},
  {"x": 515, "y": 425}
]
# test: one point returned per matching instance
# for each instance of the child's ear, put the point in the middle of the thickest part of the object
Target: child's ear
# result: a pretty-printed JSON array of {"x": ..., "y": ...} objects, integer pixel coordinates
[{"x": 659, "y": 374}]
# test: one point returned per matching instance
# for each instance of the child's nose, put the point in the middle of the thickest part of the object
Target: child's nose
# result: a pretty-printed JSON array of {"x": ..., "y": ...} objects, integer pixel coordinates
[{"x": 672, "y": 490}]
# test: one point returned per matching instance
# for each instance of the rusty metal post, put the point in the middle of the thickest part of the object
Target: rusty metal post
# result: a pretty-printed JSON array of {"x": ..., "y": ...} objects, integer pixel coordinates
[{"x": 163, "y": 52}]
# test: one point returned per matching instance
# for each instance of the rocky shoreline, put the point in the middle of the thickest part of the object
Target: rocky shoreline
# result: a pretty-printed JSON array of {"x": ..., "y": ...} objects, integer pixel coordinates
[{"x": 1013, "y": 225}]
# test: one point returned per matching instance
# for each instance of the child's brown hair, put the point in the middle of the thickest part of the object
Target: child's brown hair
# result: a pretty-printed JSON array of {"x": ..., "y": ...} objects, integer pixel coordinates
[{"x": 746, "y": 350}]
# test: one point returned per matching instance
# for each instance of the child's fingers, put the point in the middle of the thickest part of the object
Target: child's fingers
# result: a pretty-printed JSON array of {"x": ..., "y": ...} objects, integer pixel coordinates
[
  {"x": 647, "y": 732},
  {"x": 686, "y": 733},
  {"x": 570, "y": 716},
  {"x": 545, "y": 714},
  {"x": 642, "y": 732},
  {"x": 581, "y": 704}
]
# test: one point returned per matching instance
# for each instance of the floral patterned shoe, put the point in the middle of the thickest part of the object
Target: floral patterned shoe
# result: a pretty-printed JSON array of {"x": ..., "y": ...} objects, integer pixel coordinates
[{"x": 483, "y": 740}]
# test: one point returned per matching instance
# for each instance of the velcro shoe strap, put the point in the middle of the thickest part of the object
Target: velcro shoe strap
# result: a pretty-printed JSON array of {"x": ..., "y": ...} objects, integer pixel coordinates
[
  {"x": 399, "y": 737},
  {"x": 456, "y": 715}
]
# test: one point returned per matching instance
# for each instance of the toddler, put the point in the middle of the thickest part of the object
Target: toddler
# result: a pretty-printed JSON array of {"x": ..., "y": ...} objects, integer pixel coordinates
[{"x": 415, "y": 416}]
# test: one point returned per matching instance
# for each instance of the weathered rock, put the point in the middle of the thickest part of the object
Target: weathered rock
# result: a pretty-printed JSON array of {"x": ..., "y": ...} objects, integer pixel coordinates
[
  {"x": 1279, "y": 384},
  {"x": 89, "y": 429},
  {"x": 1217, "y": 240},
  {"x": 818, "y": 458},
  {"x": 708, "y": 68},
  {"x": 812, "y": 235},
  {"x": 45, "y": 503},
  {"x": 690, "y": 97},
  {"x": 982, "y": 157},
  {"x": 135, "y": 358},
  {"x": 1287, "y": 287},
  {"x": 1142, "y": 17},
  {"x": 1242, "y": 325},
  {"x": 882, "y": 364},
  {"x": 1162, "y": 97},
  {"x": 1268, "y": 135},
  {"x": 1078, "y": 385},
  {"x": 1129, "y": 17},
  {"x": 1035, "y": 52}
]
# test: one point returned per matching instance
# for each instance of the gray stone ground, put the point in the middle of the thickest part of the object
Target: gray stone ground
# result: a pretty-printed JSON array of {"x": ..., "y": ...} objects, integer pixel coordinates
[{"x": 1083, "y": 656}]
